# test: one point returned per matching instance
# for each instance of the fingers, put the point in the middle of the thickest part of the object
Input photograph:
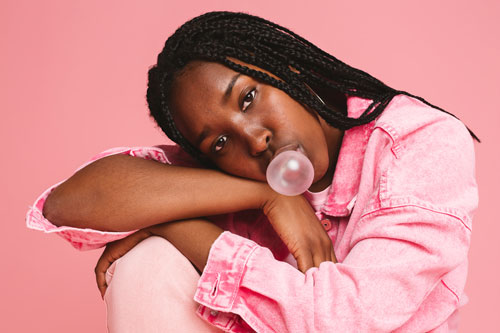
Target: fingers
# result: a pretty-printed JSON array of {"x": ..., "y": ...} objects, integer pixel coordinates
[
  {"x": 322, "y": 256},
  {"x": 314, "y": 252},
  {"x": 304, "y": 261},
  {"x": 314, "y": 258},
  {"x": 113, "y": 252},
  {"x": 333, "y": 256},
  {"x": 102, "y": 266}
]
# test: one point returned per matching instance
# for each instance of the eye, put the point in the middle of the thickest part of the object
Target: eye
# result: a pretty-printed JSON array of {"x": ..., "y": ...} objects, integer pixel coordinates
[
  {"x": 219, "y": 144},
  {"x": 248, "y": 99}
]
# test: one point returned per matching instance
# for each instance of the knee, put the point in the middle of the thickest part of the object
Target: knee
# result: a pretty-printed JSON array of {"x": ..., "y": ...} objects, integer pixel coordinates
[
  {"x": 144, "y": 256},
  {"x": 154, "y": 259},
  {"x": 150, "y": 251}
]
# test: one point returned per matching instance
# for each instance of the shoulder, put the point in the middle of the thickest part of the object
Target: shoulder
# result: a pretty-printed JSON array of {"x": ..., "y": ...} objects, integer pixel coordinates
[
  {"x": 429, "y": 158},
  {"x": 415, "y": 128},
  {"x": 406, "y": 119}
]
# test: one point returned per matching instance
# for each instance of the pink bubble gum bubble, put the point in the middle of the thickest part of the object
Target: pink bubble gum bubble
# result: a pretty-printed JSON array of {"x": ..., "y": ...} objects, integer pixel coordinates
[{"x": 290, "y": 173}]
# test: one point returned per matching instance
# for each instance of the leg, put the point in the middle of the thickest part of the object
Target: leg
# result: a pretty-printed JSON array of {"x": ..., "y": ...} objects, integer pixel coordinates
[{"x": 151, "y": 289}]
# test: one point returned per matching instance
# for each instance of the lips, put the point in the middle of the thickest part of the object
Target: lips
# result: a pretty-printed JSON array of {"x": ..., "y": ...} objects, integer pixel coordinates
[{"x": 292, "y": 146}]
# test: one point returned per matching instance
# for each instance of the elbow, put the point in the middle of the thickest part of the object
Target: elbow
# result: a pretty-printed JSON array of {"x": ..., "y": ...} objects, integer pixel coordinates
[
  {"x": 51, "y": 209},
  {"x": 60, "y": 208},
  {"x": 63, "y": 207}
]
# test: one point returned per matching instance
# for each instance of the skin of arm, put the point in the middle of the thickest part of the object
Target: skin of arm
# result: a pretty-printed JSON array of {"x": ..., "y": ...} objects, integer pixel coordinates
[
  {"x": 124, "y": 193},
  {"x": 194, "y": 238}
]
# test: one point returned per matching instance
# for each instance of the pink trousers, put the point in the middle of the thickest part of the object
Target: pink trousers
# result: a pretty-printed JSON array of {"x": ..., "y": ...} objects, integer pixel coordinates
[{"x": 151, "y": 289}]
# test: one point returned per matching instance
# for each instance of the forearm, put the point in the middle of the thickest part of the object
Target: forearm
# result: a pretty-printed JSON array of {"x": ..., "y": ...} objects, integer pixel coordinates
[
  {"x": 121, "y": 193},
  {"x": 193, "y": 238}
]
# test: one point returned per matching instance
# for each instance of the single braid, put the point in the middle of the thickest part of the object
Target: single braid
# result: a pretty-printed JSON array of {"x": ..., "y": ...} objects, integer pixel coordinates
[{"x": 215, "y": 36}]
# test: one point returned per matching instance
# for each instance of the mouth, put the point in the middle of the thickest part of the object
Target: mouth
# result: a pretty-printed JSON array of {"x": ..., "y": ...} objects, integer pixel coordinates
[{"x": 292, "y": 146}]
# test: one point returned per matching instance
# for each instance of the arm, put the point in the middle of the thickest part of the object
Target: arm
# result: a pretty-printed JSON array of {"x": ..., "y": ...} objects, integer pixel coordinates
[
  {"x": 193, "y": 238},
  {"x": 388, "y": 276},
  {"x": 122, "y": 193},
  {"x": 378, "y": 286},
  {"x": 300, "y": 231}
]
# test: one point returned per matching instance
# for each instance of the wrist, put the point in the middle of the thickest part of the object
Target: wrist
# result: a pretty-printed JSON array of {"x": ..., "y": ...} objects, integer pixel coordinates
[
  {"x": 160, "y": 230},
  {"x": 265, "y": 195}
]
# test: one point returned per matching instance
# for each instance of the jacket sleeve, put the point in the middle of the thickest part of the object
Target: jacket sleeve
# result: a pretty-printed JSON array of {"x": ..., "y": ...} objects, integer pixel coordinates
[
  {"x": 87, "y": 239},
  {"x": 381, "y": 283}
]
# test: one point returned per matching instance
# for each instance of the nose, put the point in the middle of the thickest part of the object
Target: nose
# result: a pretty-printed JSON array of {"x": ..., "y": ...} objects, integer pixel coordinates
[{"x": 258, "y": 140}]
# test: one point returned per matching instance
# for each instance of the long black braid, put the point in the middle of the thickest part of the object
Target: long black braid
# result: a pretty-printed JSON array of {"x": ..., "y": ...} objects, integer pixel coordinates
[{"x": 215, "y": 36}]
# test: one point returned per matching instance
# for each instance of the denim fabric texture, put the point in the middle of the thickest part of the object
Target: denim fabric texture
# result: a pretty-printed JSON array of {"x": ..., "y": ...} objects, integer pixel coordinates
[{"x": 399, "y": 213}]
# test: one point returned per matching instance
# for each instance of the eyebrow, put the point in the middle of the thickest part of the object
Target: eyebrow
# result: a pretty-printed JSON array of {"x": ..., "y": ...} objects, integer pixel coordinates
[{"x": 229, "y": 88}]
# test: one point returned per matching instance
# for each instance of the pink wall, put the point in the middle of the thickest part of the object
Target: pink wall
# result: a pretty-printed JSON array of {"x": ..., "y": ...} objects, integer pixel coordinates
[{"x": 73, "y": 77}]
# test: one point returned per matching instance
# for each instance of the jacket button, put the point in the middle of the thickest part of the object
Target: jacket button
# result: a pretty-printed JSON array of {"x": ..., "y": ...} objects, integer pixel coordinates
[{"x": 326, "y": 224}]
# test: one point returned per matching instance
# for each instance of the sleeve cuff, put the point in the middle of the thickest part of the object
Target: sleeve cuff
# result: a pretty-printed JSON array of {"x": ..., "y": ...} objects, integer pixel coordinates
[
  {"x": 88, "y": 239},
  {"x": 218, "y": 285}
]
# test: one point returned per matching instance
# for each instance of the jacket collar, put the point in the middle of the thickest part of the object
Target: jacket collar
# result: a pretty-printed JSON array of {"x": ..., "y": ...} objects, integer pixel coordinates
[{"x": 346, "y": 178}]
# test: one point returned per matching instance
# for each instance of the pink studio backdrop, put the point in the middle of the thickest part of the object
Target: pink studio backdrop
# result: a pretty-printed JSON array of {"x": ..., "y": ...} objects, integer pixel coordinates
[{"x": 73, "y": 78}]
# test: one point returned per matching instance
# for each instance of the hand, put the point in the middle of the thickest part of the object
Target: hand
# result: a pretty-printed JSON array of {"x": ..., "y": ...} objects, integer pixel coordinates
[
  {"x": 193, "y": 238},
  {"x": 113, "y": 252},
  {"x": 294, "y": 221}
]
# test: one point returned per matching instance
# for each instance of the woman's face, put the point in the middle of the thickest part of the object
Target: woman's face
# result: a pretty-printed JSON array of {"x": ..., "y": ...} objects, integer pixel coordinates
[{"x": 240, "y": 123}]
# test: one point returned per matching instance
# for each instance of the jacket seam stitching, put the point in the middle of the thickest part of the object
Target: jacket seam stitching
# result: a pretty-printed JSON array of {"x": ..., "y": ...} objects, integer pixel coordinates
[
  {"x": 435, "y": 210},
  {"x": 240, "y": 275},
  {"x": 451, "y": 290},
  {"x": 393, "y": 135}
]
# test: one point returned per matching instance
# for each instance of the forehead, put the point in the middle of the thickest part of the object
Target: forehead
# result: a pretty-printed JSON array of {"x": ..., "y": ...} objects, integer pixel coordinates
[
  {"x": 198, "y": 81},
  {"x": 200, "y": 78},
  {"x": 196, "y": 96}
]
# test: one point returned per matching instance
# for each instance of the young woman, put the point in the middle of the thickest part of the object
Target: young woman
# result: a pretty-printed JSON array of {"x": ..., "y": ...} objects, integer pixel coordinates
[{"x": 378, "y": 243}]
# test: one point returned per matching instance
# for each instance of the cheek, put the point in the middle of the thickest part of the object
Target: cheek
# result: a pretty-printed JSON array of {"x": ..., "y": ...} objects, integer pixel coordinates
[
  {"x": 318, "y": 154},
  {"x": 321, "y": 165}
]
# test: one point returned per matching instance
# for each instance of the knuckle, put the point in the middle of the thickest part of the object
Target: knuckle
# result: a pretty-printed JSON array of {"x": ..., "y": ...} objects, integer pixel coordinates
[{"x": 325, "y": 240}]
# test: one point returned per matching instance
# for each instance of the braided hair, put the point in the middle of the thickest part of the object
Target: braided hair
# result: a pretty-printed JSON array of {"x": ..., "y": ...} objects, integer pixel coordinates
[{"x": 218, "y": 36}]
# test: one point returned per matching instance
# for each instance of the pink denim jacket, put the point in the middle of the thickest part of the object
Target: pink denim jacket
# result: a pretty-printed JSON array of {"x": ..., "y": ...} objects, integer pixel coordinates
[{"x": 399, "y": 213}]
